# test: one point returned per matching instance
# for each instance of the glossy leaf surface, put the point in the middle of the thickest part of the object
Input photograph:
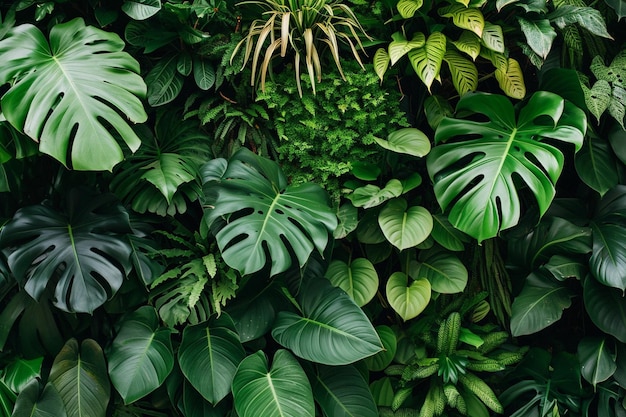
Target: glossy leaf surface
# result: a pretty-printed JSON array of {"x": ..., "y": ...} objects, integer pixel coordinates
[
  {"x": 342, "y": 392},
  {"x": 406, "y": 296},
  {"x": 358, "y": 279}
]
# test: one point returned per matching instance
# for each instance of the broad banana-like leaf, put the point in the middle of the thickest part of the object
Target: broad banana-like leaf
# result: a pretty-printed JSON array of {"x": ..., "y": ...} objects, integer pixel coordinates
[
  {"x": 209, "y": 355},
  {"x": 341, "y": 391},
  {"x": 79, "y": 374},
  {"x": 406, "y": 296},
  {"x": 597, "y": 362},
  {"x": 331, "y": 329},
  {"x": 282, "y": 390},
  {"x": 164, "y": 173},
  {"x": 141, "y": 356},
  {"x": 608, "y": 259},
  {"x": 20, "y": 372},
  {"x": 86, "y": 251},
  {"x": 266, "y": 218},
  {"x": 475, "y": 180},
  {"x": 358, "y": 279},
  {"x": 79, "y": 79},
  {"x": 426, "y": 61}
]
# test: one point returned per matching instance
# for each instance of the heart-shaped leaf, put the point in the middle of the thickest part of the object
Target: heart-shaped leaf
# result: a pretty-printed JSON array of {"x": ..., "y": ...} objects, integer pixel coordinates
[
  {"x": 79, "y": 79},
  {"x": 341, "y": 391},
  {"x": 209, "y": 355},
  {"x": 358, "y": 279},
  {"x": 86, "y": 251},
  {"x": 445, "y": 272},
  {"x": 606, "y": 307},
  {"x": 407, "y": 299},
  {"x": 426, "y": 60},
  {"x": 476, "y": 179},
  {"x": 332, "y": 329},
  {"x": 79, "y": 374},
  {"x": 267, "y": 218},
  {"x": 597, "y": 362},
  {"x": 203, "y": 73},
  {"x": 405, "y": 227},
  {"x": 280, "y": 391},
  {"x": 141, "y": 356},
  {"x": 619, "y": 6},
  {"x": 540, "y": 304},
  {"x": 408, "y": 140}
]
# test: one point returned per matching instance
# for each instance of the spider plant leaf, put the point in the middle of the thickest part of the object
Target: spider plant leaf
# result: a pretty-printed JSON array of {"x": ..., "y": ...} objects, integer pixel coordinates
[{"x": 284, "y": 33}]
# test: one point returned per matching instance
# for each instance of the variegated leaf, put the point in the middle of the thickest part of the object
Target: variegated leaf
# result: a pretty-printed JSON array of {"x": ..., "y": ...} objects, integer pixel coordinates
[
  {"x": 511, "y": 81},
  {"x": 381, "y": 62},
  {"x": 468, "y": 43},
  {"x": 598, "y": 97},
  {"x": 399, "y": 46},
  {"x": 407, "y": 8},
  {"x": 465, "y": 18},
  {"x": 464, "y": 72},
  {"x": 426, "y": 61},
  {"x": 539, "y": 35},
  {"x": 497, "y": 59},
  {"x": 493, "y": 38}
]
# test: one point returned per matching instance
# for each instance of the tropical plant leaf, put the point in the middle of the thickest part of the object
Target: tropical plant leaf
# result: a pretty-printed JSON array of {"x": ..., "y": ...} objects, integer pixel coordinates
[
  {"x": 469, "y": 18},
  {"x": 331, "y": 329},
  {"x": 399, "y": 46},
  {"x": 164, "y": 81},
  {"x": 209, "y": 355},
  {"x": 608, "y": 259},
  {"x": 445, "y": 272},
  {"x": 606, "y": 307},
  {"x": 381, "y": 62},
  {"x": 203, "y": 73},
  {"x": 511, "y": 80},
  {"x": 407, "y": 299},
  {"x": 35, "y": 402},
  {"x": 21, "y": 372},
  {"x": 587, "y": 17},
  {"x": 476, "y": 180},
  {"x": 598, "y": 97},
  {"x": 280, "y": 391},
  {"x": 596, "y": 164},
  {"x": 407, "y": 140},
  {"x": 141, "y": 9},
  {"x": 184, "y": 65},
  {"x": 407, "y": 8},
  {"x": 539, "y": 35},
  {"x": 145, "y": 35},
  {"x": 447, "y": 235},
  {"x": 79, "y": 79},
  {"x": 85, "y": 251},
  {"x": 358, "y": 279},
  {"x": 79, "y": 374},
  {"x": 619, "y": 6},
  {"x": 426, "y": 60},
  {"x": 539, "y": 305},
  {"x": 348, "y": 217},
  {"x": 371, "y": 195},
  {"x": 468, "y": 43},
  {"x": 405, "y": 227},
  {"x": 464, "y": 72},
  {"x": 493, "y": 37},
  {"x": 597, "y": 363},
  {"x": 141, "y": 356},
  {"x": 7, "y": 400},
  {"x": 341, "y": 391},
  {"x": 562, "y": 268},
  {"x": 283, "y": 219}
]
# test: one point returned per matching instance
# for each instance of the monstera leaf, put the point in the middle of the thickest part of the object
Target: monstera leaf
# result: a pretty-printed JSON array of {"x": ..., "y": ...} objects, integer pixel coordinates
[
  {"x": 492, "y": 154},
  {"x": 84, "y": 251},
  {"x": 165, "y": 169},
  {"x": 266, "y": 218},
  {"x": 78, "y": 79}
]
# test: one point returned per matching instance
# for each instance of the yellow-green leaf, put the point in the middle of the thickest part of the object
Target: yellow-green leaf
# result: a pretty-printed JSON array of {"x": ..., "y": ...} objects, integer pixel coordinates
[
  {"x": 381, "y": 63},
  {"x": 464, "y": 72},
  {"x": 408, "y": 299},
  {"x": 399, "y": 46},
  {"x": 465, "y": 18},
  {"x": 468, "y": 43},
  {"x": 511, "y": 81},
  {"x": 426, "y": 61},
  {"x": 498, "y": 60},
  {"x": 407, "y": 8},
  {"x": 493, "y": 38}
]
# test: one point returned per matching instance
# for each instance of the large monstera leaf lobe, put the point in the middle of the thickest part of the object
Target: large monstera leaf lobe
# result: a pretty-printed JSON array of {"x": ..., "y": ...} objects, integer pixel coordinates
[
  {"x": 266, "y": 219},
  {"x": 87, "y": 252},
  {"x": 63, "y": 90},
  {"x": 493, "y": 150}
]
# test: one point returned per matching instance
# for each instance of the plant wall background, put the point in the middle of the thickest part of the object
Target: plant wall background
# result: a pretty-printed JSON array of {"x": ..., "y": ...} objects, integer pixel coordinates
[{"x": 312, "y": 208}]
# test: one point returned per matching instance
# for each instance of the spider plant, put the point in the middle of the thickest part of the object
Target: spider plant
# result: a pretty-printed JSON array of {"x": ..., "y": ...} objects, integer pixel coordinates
[{"x": 305, "y": 25}]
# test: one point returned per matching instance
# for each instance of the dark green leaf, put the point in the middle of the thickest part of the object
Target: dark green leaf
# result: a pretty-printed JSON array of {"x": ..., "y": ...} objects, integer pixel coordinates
[
  {"x": 446, "y": 235},
  {"x": 209, "y": 355},
  {"x": 141, "y": 356},
  {"x": 597, "y": 363},
  {"x": 382, "y": 359},
  {"x": 332, "y": 329},
  {"x": 21, "y": 372},
  {"x": 539, "y": 35},
  {"x": 606, "y": 307},
  {"x": 34, "y": 402},
  {"x": 280, "y": 391},
  {"x": 596, "y": 164},
  {"x": 341, "y": 391},
  {"x": 79, "y": 375},
  {"x": 619, "y": 6},
  {"x": 203, "y": 73},
  {"x": 587, "y": 17},
  {"x": 164, "y": 82},
  {"x": 141, "y": 9},
  {"x": 445, "y": 272}
]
